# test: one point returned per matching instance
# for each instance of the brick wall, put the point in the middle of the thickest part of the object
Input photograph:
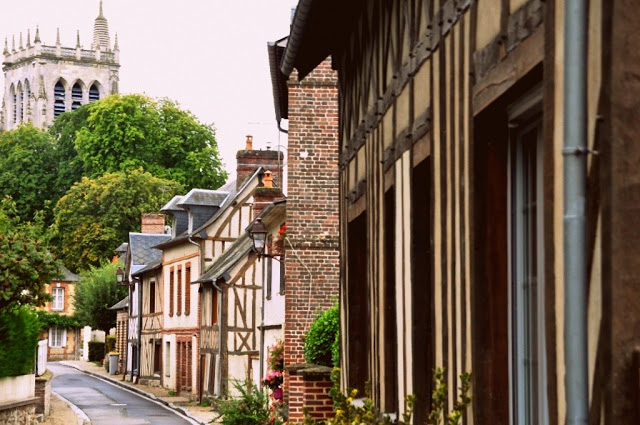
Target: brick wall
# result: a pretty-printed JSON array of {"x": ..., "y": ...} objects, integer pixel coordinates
[
  {"x": 309, "y": 388},
  {"x": 312, "y": 205}
]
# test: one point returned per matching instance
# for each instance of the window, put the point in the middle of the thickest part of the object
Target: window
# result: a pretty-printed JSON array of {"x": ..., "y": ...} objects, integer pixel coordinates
[
  {"x": 268, "y": 264},
  {"x": 526, "y": 265},
  {"x": 152, "y": 297},
  {"x": 27, "y": 97},
  {"x": 214, "y": 306},
  {"x": 59, "y": 96},
  {"x": 58, "y": 299},
  {"x": 94, "y": 93},
  {"x": 179, "y": 309},
  {"x": 57, "y": 337},
  {"x": 171, "y": 292},
  {"x": 76, "y": 96},
  {"x": 167, "y": 359},
  {"x": 187, "y": 290}
]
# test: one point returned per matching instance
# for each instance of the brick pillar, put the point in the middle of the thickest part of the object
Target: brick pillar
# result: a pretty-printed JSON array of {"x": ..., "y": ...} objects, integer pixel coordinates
[
  {"x": 43, "y": 394},
  {"x": 309, "y": 388},
  {"x": 312, "y": 207},
  {"x": 263, "y": 196}
]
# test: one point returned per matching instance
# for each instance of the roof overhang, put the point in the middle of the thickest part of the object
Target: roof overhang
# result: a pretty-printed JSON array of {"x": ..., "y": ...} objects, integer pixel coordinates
[
  {"x": 318, "y": 30},
  {"x": 278, "y": 79}
]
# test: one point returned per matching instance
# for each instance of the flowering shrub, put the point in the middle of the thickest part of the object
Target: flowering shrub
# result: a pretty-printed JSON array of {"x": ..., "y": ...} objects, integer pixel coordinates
[
  {"x": 250, "y": 408},
  {"x": 273, "y": 379},
  {"x": 275, "y": 358}
]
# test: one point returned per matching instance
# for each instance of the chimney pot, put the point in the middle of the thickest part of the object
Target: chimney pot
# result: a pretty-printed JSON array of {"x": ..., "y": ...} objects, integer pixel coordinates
[
  {"x": 249, "y": 142},
  {"x": 268, "y": 179}
]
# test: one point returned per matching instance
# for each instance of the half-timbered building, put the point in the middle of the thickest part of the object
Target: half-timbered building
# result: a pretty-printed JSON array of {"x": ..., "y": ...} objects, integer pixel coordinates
[
  {"x": 236, "y": 320},
  {"x": 453, "y": 190},
  {"x": 140, "y": 254}
]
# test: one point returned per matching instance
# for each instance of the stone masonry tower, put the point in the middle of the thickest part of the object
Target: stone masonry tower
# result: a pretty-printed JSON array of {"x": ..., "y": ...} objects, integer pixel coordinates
[{"x": 43, "y": 81}]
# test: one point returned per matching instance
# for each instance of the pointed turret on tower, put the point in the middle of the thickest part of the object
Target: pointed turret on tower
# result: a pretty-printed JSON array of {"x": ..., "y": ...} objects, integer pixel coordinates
[
  {"x": 101, "y": 32},
  {"x": 6, "y": 46},
  {"x": 37, "y": 39}
]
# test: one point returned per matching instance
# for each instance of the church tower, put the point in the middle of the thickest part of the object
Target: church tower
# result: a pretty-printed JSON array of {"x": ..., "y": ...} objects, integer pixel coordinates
[{"x": 43, "y": 81}]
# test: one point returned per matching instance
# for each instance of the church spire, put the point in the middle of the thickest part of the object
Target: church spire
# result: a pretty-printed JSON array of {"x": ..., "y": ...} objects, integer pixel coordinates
[
  {"x": 37, "y": 39},
  {"x": 28, "y": 37},
  {"x": 101, "y": 32},
  {"x": 78, "y": 40},
  {"x": 116, "y": 46},
  {"x": 6, "y": 46}
]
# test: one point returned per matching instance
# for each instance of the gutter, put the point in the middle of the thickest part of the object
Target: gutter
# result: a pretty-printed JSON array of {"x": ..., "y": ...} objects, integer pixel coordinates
[{"x": 295, "y": 38}]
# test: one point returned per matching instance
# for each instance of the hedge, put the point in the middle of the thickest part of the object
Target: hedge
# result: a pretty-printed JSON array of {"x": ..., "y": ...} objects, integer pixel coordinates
[
  {"x": 320, "y": 346},
  {"x": 110, "y": 342},
  {"x": 96, "y": 351},
  {"x": 19, "y": 333}
]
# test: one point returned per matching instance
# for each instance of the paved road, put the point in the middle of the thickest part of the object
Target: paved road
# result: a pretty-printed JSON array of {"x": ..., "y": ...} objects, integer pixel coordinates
[{"x": 108, "y": 404}]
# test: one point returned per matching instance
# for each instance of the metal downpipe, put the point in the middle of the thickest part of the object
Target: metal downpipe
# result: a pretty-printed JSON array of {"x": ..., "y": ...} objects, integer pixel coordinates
[{"x": 575, "y": 177}]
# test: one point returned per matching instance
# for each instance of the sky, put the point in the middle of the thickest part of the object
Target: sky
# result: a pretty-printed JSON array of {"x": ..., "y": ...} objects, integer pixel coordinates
[{"x": 208, "y": 55}]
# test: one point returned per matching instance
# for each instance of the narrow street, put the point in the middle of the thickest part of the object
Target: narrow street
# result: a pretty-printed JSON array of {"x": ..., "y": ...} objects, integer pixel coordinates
[{"x": 105, "y": 403}]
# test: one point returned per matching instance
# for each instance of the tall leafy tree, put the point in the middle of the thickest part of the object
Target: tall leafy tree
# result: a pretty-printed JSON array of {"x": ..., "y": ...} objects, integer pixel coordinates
[
  {"x": 26, "y": 264},
  {"x": 96, "y": 215},
  {"x": 96, "y": 291},
  {"x": 27, "y": 169},
  {"x": 119, "y": 133}
]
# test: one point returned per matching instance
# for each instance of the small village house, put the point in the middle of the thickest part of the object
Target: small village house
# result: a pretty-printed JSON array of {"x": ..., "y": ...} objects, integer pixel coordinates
[{"x": 63, "y": 344}]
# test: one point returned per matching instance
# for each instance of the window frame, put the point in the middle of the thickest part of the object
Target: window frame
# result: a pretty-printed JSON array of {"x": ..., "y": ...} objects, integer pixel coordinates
[
  {"x": 57, "y": 337},
  {"x": 528, "y": 402},
  {"x": 57, "y": 303}
]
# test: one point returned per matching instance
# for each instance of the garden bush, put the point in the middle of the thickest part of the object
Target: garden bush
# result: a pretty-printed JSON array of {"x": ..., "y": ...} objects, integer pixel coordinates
[
  {"x": 251, "y": 407},
  {"x": 96, "y": 351},
  {"x": 320, "y": 343},
  {"x": 19, "y": 333},
  {"x": 110, "y": 342}
]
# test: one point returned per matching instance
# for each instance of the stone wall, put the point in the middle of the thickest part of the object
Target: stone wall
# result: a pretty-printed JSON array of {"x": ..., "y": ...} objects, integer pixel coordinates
[{"x": 18, "y": 415}]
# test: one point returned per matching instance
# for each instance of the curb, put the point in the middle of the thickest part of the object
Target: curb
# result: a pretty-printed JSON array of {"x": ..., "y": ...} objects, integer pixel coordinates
[
  {"x": 83, "y": 419},
  {"x": 138, "y": 391}
]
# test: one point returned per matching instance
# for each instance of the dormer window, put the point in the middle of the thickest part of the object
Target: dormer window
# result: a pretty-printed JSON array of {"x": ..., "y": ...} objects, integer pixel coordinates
[{"x": 59, "y": 96}]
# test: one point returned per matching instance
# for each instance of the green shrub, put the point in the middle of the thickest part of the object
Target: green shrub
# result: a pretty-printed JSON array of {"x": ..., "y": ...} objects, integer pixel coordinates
[
  {"x": 320, "y": 340},
  {"x": 96, "y": 351},
  {"x": 19, "y": 332},
  {"x": 110, "y": 342},
  {"x": 250, "y": 408}
]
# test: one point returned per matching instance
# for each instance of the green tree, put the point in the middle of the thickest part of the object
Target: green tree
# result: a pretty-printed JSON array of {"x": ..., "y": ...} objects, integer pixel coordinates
[
  {"x": 119, "y": 133},
  {"x": 27, "y": 161},
  {"x": 96, "y": 291},
  {"x": 70, "y": 166},
  {"x": 96, "y": 215},
  {"x": 26, "y": 264}
]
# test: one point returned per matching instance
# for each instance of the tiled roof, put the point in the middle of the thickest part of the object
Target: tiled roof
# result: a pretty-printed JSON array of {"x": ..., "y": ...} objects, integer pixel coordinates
[
  {"x": 122, "y": 304},
  {"x": 204, "y": 197},
  {"x": 67, "y": 275},
  {"x": 142, "y": 251}
]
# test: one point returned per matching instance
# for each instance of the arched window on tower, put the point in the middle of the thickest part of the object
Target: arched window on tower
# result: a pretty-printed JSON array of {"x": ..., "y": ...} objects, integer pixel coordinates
[
  {"x": 76, "y": 96},
  {"x": 94, "y": 93},
  {"x": 20, "y": 99},
  {"x": 14, "y": 104},
  {"x": 27, "y": 100},
  {"x": 59, "y": 96}
]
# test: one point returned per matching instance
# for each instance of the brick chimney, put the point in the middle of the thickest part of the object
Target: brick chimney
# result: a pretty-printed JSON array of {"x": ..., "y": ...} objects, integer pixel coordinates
[
  {"x": 152, "y": 223},
  {"x": 249, "y": 160},
  {"x": 265, "y": 195}
]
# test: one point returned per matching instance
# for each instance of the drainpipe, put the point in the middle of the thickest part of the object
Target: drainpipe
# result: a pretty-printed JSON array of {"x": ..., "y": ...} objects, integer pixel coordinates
[
  {"x": 575, "y": 166},
  {"x": 214, "y": 283},
  {"x": 139, "y": 353}
]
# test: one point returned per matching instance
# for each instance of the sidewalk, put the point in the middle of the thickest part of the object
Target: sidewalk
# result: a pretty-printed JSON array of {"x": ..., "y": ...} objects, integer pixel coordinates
[{"x": 184, "y": 405}]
